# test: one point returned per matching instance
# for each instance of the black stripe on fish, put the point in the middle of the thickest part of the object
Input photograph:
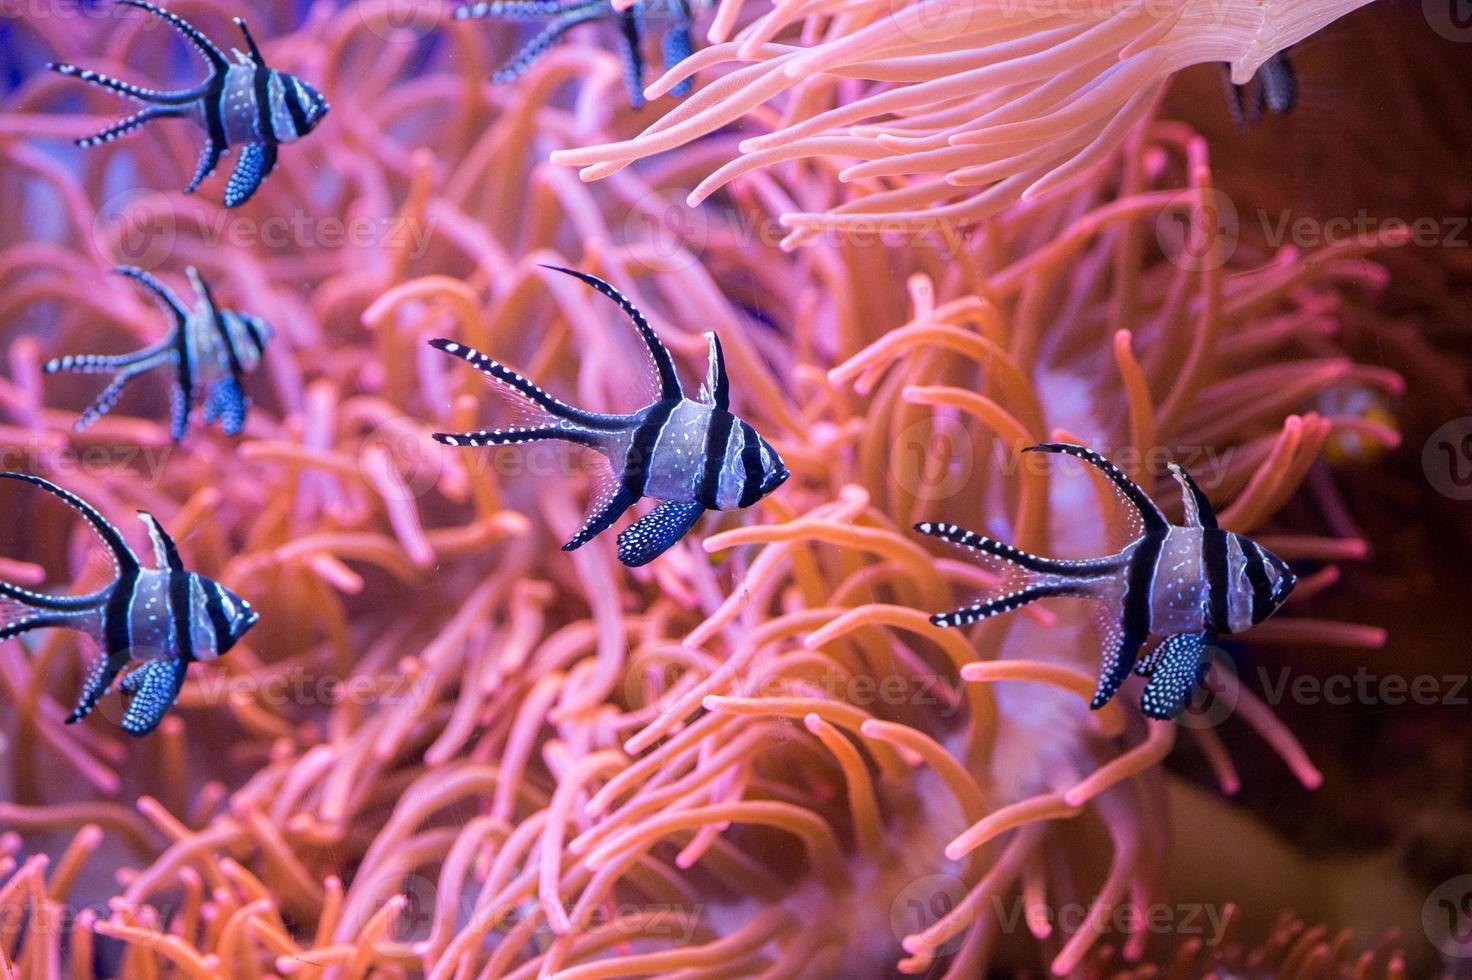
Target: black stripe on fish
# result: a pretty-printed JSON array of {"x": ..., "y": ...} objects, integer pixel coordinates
[
  {"x": 1214, "y": 556},
  {"x": 1257, "y": 575},
  {"x": 217, "y": 316},
  {"x": 261, "y": 82},
  {"x": 181, "y": 611},
  {"x": 216, "y": 139},
  {"x": 117, "y": 616},
  {"x": 214, "y": 607},
  {"x": 1135, "y": 621},
  {"x": 640, "y": 458},
  {"x": 294, "y": 107},
  {"x": 717, "y": 436},
  {"x": 751, "y": 466}
]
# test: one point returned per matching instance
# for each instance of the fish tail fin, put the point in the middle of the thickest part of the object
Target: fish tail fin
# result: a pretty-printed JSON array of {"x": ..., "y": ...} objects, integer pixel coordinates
[
  {"x": 1007, "y": 602},
  {"x": 1026, "y": 577},
  {"x": 1016, "y": 557},
  {"x": 22, "y": 610},
  {"x": 535, "y": 408},
  {"x": 516, "y": 436}
]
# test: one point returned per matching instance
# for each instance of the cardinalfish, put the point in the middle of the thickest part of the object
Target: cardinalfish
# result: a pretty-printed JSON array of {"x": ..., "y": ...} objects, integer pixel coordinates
[
  {"x": 210, "y": 348},
  {"x": 244, "y": 103},
  {"x": 166, "y": 616},
  {"x": 1183, "y": 583},
  {"x": 672, "y": 15},
  {"x": 690, "y": 455}
]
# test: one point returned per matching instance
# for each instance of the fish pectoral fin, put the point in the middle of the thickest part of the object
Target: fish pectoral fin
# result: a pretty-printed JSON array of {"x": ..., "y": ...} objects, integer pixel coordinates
[
  {"x": 256, "y": 162},
  {"x": 603, "y": 516},
  {"x": 656, "y": 532},
  {"x": 153, "y": 689},
  {"x": 104, "y": 672},
  {"x": 1176, "y": 668}
]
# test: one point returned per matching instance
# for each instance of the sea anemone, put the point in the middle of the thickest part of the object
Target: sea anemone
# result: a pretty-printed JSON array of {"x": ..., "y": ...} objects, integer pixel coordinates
[
  {"x": 445, "y": 753},
  {"x": 951, "y": 112}
]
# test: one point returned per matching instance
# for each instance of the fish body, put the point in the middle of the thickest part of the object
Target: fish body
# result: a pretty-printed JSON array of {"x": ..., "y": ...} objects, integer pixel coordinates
[
  {"x": 1184, "y": 584},
  {"x": 166, "y": 616},
  {"x": 561, "y": 15},
  {"x": 692, "y": 455},
  {"x": 242, "y": 103},
  {"x": 211, "y": 349}
]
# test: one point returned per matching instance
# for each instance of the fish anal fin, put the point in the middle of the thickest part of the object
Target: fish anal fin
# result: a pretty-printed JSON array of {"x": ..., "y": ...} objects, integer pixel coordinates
[
  {"x": 97, "y": 684},
  {"x": 606, "y": 508},
  {"x": 1118, "y": 651},
  {"x": 209, "y": 159}
]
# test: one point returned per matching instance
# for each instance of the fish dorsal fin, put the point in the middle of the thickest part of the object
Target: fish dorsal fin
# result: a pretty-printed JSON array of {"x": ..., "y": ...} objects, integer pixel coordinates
[
  {"x": 1198, "y": 509},
  {"x": 123, "y": 556},
  {"x": 255, "y": 52},
  {"x": 162, "y": 293},
  {"x": 716, "y": 391},
  {"x": 202, "y": 44},
  {"x": 1150, "y": 516},
  {"x": 165, "y": 552},
  {"x": 664, "y": 365},
  {"x": 217, "y": 319}
]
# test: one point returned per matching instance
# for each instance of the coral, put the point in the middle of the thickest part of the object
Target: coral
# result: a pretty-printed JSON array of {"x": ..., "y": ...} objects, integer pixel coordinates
[
  {"x": 949, "y": 112},
  {"x": 443, "y": 752}
]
